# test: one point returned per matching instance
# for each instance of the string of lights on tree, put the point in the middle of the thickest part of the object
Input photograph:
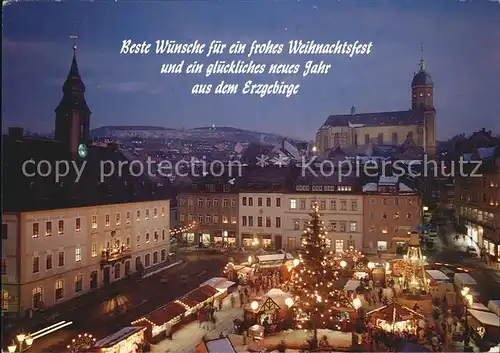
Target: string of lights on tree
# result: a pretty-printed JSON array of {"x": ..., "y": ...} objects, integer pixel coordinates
[
  {"x": 180, "y": 230},
  {"x": 317, "y": 302},
  {"x": 81, "y": 343}
]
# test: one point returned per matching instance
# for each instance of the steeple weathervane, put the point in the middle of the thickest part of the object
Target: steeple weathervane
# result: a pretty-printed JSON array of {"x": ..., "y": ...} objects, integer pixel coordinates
[{"x": 422, "y": 62}]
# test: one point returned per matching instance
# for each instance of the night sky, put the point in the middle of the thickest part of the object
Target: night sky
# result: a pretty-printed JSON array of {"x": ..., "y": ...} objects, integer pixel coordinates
[{"x": 461, "y": 49}]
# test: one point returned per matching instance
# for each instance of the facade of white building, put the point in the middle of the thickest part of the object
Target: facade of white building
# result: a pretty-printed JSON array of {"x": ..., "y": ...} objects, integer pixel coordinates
[
  {"x": 51, "y": 256},
  {"x": 341, "y": 213},
  {"x": 261, "y": 220}
]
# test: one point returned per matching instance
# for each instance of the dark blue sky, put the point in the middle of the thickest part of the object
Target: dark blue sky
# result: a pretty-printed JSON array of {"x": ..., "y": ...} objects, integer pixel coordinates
[{"x": 461, "y": 41}]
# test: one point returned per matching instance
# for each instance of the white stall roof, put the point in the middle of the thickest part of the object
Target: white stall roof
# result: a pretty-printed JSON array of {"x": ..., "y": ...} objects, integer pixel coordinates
[
  {"x": 272, "y": 257},
  {"x": 478, "y": 306},
  {"x": 437, "y": 275},
  {"x": 352, "y": 284},
  {"x": 494, "y": 306},
  {"x": 219, "y": 283},
  {"x": 486, "y": 317},
  {"x": 221, "y": 345},
  {"x": 118, "y": 336}
]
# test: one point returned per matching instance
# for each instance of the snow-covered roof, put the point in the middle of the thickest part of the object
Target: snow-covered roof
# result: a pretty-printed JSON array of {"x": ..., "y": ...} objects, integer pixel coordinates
[
  {"x": 486, "y": 152},
  {"x": 494, "y": 306},
  {"x": 118, "y": 336},
  {"x": 294, "y": 152},
  {"x": 272, "y": 257},
  {"x": 405, "y": 188},
  {"x": 370, "y": 187},
  {"x": 221, "y": 345},
  {"x": 352, "y": 284},
  {"x": 485, "y": 317},
  {"x": 355, "y": 125},
  {"x": 388, "y": 180},
  {"x": 219, "y": 283}
]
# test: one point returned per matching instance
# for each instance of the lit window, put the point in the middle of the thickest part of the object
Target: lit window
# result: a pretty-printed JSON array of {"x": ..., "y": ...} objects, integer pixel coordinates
[
  {"x": 78, "y": 224},
  {"x": 94, "y": 249},
  {"x": 353, "y": 226},
  {"x": 163, "y": 211},
  {"x": 225, "y": 219},
  {"x": 59, "y": 289},
  {"x": 382, "y": 245},
  {"x": 78, "y": 283},
  {"x": 35, "y": 230},
  {"x": 138, "y": 216},
  {"x": 293, "y": 204},
  {"x": 146, "y": 217},
  {"x": 61, "y": 227},
  {"x": 78, "y": 254},
  {"x": 37, "y": 297},
  {"x": 155, "y": 212},
  {"x": 94, "y": 221},
  {"x": 118, "y": 219},
  {"x": 107, "y": 221},
  {"x": 127, "y": 219},
  {"x": 48, "y": 228}
]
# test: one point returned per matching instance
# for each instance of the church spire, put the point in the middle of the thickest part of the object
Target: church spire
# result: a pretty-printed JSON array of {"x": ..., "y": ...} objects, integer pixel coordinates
[
  {"x": 73, "y": 71},
  {"x": 73, "y": 113},
  {"x": 422, "y": 61}
]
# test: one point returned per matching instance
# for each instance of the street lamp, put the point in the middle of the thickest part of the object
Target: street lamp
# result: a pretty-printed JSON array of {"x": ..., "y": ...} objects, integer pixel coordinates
[
  {"x": 21, "y": 339},
  {"x": 469, "y": 299},
  {"x": 371, "y": 265},
  {"x": 343, "y": 264}
]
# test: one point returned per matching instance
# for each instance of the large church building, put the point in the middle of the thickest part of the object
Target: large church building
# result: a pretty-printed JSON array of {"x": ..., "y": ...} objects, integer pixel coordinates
[{"x": 386, "y": 128}]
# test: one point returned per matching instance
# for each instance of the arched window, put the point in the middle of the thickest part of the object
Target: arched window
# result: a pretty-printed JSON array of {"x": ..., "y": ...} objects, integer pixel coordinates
[
  {"x": 147, "y": 260},
  {"x": 37, "y": 295}
]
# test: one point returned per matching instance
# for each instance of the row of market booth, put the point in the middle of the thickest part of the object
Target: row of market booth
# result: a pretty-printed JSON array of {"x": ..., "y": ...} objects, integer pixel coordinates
[
  {"x": 160, "y": 323},
  {"x": 157, "y": 325}
]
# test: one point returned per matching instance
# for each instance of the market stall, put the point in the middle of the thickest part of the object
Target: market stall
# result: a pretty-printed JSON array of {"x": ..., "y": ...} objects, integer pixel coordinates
[
  {"x": 222, "y": 285},
  {"x": 161, "y": 322},
  {"x": 197, "y": 299},
  {"x": 262, "y": 310},
  {"x": 127, "y": 340},
  {"x": 395, "y": 318},
  {"x": 485, "y": 323}
]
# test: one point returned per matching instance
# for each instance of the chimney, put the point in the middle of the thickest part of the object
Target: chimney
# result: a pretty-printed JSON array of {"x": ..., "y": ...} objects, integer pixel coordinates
[{"x": 16, "y": 132}]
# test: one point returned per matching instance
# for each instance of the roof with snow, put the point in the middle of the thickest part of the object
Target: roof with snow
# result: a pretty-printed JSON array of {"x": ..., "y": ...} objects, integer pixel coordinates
[{"x": 405, "y": 117}]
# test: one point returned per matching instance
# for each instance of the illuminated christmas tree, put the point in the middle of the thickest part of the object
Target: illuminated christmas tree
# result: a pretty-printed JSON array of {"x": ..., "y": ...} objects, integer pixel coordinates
[{"x": 313, "y": 280}]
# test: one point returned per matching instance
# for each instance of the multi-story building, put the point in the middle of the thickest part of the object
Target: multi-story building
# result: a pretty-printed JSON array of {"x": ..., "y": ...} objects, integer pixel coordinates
[
  {"x": 392, "y": 210},
  {"x": 341, "y": 209},
  {"x": 261, "y": 207},
  {"x": 66, "y": 234},
  {"x": 213, "y": 204},
  {"x": 477, "y": 203}
]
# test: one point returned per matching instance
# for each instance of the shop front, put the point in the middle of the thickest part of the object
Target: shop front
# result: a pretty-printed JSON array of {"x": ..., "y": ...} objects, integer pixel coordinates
[
  {"x": 188, "y": 239},
  {"x": 474, "y": 234},
  {"x": 224, "y": 238},
  {"x": 127, "y": 340},
  {"x": 205, "y": 238}
]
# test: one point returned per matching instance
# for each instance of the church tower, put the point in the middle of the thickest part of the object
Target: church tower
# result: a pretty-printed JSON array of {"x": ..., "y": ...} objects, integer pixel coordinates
[
  {"x": 72, "y": 113},
  {"x": 422, "y": 100}
]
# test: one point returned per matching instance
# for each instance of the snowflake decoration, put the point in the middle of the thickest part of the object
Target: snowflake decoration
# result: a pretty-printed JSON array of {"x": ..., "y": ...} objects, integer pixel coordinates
[
  {"x": 262, "y": 161},
  {"x": 281, "y": 160}
]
